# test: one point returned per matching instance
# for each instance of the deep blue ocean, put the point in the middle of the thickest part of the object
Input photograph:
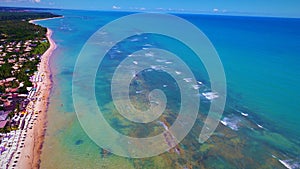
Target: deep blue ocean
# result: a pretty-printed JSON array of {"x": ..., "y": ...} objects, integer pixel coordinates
[{"x": 260, "y": 125}]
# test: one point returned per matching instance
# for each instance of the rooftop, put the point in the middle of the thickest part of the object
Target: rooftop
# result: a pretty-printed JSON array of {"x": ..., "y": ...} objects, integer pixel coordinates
[{"x": 3, "y": 123}]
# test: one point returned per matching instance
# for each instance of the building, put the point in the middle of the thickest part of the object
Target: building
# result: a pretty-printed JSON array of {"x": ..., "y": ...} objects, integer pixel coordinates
[{"x": 3, "y": 118}]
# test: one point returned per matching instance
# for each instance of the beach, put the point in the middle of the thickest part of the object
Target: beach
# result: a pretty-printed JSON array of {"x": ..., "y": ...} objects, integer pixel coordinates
[{"x": 29, "y": 156}]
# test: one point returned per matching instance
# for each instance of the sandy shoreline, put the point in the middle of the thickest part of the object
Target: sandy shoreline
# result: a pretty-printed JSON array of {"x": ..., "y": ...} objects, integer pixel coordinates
[
  {"x": 30, "y": 153},
  {"x": 33, "y": 21}
]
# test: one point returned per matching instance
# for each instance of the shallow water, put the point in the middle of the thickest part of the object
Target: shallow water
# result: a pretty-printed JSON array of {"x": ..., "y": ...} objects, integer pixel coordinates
[{"x": 260, "y": 57}]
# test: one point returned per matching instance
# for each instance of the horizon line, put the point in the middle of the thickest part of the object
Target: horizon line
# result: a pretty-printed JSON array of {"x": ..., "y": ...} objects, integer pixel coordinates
[{"x": 167, "y": 11}]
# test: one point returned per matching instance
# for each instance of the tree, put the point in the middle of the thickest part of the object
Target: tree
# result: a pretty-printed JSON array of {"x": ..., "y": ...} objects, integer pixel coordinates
[{"x": 5, "y": 70}]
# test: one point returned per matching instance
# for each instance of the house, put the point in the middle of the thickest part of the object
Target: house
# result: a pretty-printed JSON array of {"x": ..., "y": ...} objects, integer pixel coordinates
[
  {"x": 3, "y": 123},
  {"x": 3, "y": 118},
  {"x": 9, "y": 106},
  {"x": 3, "y": 115}
]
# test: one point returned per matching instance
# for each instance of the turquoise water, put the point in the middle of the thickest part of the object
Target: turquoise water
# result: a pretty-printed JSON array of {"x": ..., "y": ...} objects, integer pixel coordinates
[{"x": 261, "y": 62}]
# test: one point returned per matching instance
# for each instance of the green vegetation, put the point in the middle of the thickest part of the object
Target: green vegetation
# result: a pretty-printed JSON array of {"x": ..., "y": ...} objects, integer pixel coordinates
[
  {"x": 11, "y": 114},
  {"x": 14, "y": 26},
  {"x": 5, "y": 70},
  {"x": 22, "y": 15},
  {"x": 4, "y": 130},
  {"x": 14, "y": 30},
  {"x": 8, "y": 128},
  {"x": 18, "y": 34},
  {"x": 21, "y": 45},
  {"x": 41, "y": 48},
  {"x": 2, "y": 89}
]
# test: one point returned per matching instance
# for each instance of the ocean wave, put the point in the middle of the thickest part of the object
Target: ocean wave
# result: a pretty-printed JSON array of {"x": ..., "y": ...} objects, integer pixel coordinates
[
  {"x": 290, "y": 163},
  {"x": 177, "y": 72},
  {"x": 150, "y": 54},
  {"x": 134, "y": 40},
  {"x": 260, "y": 126},
  {"x": 196, "y": 87},
  {"x": 149, "y": 70},
  {"x": 158, "y": 67},
  {"x": 148, "y": 45},
  {"x": 242, "y": 113},
  {"x": 160, "y": 60},
  {"x": 153, "y": 67},
  {"x": 231, "y": 122},
  {"x": 139, "y": 91},
  {"x": 210, "y": 95},
  {"x": 188, "y": 80}
]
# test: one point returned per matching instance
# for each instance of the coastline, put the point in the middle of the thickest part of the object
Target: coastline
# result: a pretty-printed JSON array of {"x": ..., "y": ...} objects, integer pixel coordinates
[
  {"x": 30, "y": 153},
  {"x": 33, "y": 21}
]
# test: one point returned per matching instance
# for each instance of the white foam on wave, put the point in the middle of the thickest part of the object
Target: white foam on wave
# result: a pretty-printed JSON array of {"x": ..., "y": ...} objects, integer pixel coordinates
[
  {"x": 165, "y": 85},
  {"x": 134, "y": 40},
  {"x": 188, "y": 80},
  {"x": 210, "y": 95},
  {"x": 168, "y": 62},
  {"x": 177, "y": 72},
  {"x": 156, "y": 67},
  {"x": 232, "y": 123},
  {"x": 285, "y": 164},
  {"x": 160, "y": 60},
  {"x": 242, "y": 113},
  {"x": 133, "y": 73},
  {"x": 290, "y": 164},
  {"x": 196, "y": 87},
  {"x": 139, "y": 91},
  {"x": 147, "y": 45},
  {"x": 150, "y": 54},
  {"x": 135, "y": 62},
  {"x": 260, "y": 126},
  {"x": 148, "y": 70},
  {"x": 223, "y": 122}
]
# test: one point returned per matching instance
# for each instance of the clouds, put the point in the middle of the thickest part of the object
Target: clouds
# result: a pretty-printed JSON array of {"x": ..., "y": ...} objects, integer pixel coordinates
[
  {"x": 18, "y": 1},
  {"x": 115, "y": 7},
  {"x": 7, "y": 1}
]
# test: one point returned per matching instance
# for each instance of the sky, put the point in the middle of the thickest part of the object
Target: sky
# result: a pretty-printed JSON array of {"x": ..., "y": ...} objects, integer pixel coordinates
[{"x": 281, "y": 8}]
